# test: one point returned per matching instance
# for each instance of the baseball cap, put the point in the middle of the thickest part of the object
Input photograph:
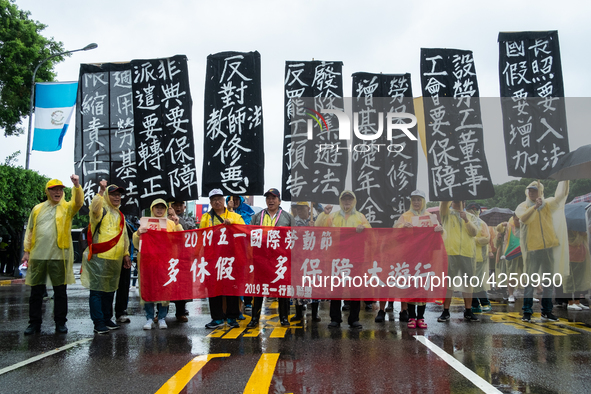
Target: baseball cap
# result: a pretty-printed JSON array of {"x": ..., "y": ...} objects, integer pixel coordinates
[
  {"x": 419, "y": 193},
  {"x": 532, "y": 187},
  {"x": 305, "y": 204},
  {"x": 54, "y": 183},
  {"x": 215, "y": 192},
  {"x": 274, "y": 192},
  {"x": 115, "y": 188}
]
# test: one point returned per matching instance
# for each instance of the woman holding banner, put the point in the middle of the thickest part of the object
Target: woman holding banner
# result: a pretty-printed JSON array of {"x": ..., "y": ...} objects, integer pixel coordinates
[
  {"x": 416, "y": 216},
  {"x": 159, "y": 209}
]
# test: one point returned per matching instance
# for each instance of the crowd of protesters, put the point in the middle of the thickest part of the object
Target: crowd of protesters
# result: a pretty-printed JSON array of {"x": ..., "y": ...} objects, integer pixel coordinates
[{"x": 534, "y": 241}]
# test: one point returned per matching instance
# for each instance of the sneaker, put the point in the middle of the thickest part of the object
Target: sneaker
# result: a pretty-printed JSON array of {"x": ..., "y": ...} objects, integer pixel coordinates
[
  {"x": 477, "y": 309},
  {"x": 536, "y": 300},
  {"x": 444, "y": 317},
  {"x": 241, "y": 317},
  {"x": 487, "y": 308},
  {"x": 233, "y": 323},
  {"x": 182, "y": 319},
  {"x": 469, "y": 316},
  {"x": 574, "y": 307},
  {"x": 583, "y": 307},
  {"x": 101, "y": 329},
  {"x": 247, "y": 307},
  {"x": 511, "y": 299},
  {"x": 381, "y": 317},
  {"x": 33, "y": 328},
  {"x": 334, "y": 324},
  {"x": 549, "y": 317},
  {"x": 356, "y": 325},
  {"x": 111, "y": 326},
  {"x": 214, "y": 324},
  {"x": 149, "y": 325},
  {"x": 162, "y": 324},
  {"x": 123, "y": 319},
  {"x": 61, "y": 328},
  {"x": 403, "y": 316},
  {"x": 526, "y": 317}
]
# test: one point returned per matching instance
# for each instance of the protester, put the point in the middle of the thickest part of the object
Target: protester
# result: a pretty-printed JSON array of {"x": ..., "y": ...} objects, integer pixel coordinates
[
  {"x": 108, "y": 246},
  {"x": 480, "y": 301},
  {"x": 158, "y": 209},
  {"x": 237, "y": 205},
  {"x": 122, "y": 293},
  {"x": 220, "y": 215},
  {"x": 544, "y": 242},
  {"x": 179, "y": 210},
  {"x": 578, "y": 281},
  {"x": 418, "y": 208},
  {"x": 509, "y": 258},
  {"x": 301, "y": 212},
  {"x": 274, "y": 216},
  {"x": 348, "y": 216},
  {"x": 461, "y": 253},
  {"x": 49, "y": 251}
]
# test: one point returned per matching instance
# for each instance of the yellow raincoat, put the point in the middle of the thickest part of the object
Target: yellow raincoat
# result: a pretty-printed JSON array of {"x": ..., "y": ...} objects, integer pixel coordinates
[
  {"x": 102, "y": 272},
  {"x": 460, "y": 235},
  {"x": 546, "y": 227},
  {"x": 342, "y": 218},
  {"x": 170, "y": 227},
  {"x": 481, "y": 244},
  {"x": 234, "y": 218},
  {"x": 48, "y": 240}
]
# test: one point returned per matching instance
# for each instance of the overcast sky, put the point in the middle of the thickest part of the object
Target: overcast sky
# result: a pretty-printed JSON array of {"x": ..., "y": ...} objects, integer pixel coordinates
[{"x": 373, "y": 36}]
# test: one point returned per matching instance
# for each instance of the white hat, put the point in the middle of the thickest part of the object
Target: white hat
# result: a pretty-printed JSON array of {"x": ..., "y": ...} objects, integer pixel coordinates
[
  {"x": 215, "y": 192},
  {"x": 419, "y": 193}
]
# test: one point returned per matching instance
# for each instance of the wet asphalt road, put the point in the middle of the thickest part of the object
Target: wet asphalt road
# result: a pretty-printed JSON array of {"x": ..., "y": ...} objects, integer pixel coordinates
[{"x": 509, "y": 356}]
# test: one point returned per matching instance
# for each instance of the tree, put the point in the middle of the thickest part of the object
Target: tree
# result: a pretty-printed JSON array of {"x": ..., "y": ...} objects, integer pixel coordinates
[
  {"x": 22, "y": 48},
  {"x": 20, "y": 191}
]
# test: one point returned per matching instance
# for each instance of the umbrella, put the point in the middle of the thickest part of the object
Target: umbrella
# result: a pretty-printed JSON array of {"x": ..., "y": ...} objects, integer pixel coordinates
[
  {"x": 494, "y": 216},
  {"x": 574, "y": 165},
  {"x": 575, "y": 216},
  {"x": 583, "y": 198}
]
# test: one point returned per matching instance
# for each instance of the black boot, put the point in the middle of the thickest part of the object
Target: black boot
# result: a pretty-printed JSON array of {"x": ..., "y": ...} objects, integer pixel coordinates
[
  {"x": 283, "y": 311},
  {"x": 298, "y": 315},
  {"x": 315, "y": 316},
  {"x": 256, "y": 312}
]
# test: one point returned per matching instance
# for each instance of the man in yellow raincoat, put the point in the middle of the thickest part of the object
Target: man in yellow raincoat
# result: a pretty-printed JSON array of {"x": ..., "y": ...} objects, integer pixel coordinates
[
  {"x": 49, "y": 252},
  {"x": 108, "y": 247},
  {"x": 544, "y": 243},
  {"x": 348, "y": 216},
  {"x": 219, "y": 214},
  {"x": 461, "y": 254}
]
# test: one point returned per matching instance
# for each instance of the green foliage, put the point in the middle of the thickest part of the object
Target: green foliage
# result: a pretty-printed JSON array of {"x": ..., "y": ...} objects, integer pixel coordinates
[
  {"x": 22, "y": 48},
  {"x": 20, "y": 191}
]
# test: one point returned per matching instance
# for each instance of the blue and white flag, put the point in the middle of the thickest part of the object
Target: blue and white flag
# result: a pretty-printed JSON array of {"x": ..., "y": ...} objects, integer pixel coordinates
[{"x": 54, "y": 105}]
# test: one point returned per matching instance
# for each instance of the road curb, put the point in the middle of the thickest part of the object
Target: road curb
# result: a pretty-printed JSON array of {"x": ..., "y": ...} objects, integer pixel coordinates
[{"x": 10, "y": 282}]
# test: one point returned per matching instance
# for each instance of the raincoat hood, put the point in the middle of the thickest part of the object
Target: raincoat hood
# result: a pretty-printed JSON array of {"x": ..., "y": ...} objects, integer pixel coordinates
[
  {"x": 241, "y": 201},
  {"x": 423, "y": 208},
  {"x": 156, "y": 202},
  {"x": 352, "y": 210},
  {"x": 540, "y": 188}
]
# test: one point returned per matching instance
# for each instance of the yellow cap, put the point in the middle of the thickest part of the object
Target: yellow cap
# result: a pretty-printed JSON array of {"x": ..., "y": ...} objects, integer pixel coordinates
[{"x": 54, "y": 183}]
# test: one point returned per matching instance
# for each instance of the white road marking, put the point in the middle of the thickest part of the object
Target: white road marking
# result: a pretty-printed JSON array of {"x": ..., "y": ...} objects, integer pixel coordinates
[
  {"x": 458, "y": 366},
  {"x": 42, "y": 356}
]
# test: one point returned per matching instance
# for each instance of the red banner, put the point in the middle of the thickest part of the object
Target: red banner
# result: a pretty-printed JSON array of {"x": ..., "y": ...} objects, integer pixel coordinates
[{"x": 300, "y": 262}]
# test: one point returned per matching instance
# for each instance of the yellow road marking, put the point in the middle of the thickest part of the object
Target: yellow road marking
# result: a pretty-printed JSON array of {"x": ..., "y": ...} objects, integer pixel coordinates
[
  {"x": 278, "y": 332},
  {"x": 260, "y": 380},
  {"x": 234, "y": 333},
  {"x": 252, "y": 333},
  {"x": 181, "y": 378}
]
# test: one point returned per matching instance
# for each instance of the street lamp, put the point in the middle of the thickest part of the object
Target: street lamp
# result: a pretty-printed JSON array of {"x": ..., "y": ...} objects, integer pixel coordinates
[{"x": 86, "y": 48}]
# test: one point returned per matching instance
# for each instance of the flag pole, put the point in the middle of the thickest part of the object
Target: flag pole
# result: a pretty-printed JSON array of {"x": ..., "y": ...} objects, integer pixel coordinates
[{"x": 28, "y": 153}]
